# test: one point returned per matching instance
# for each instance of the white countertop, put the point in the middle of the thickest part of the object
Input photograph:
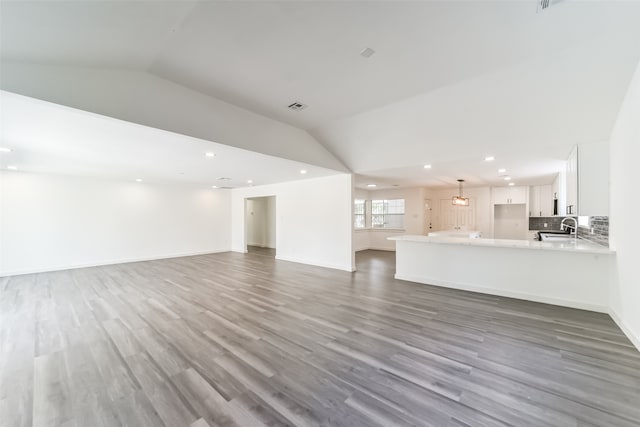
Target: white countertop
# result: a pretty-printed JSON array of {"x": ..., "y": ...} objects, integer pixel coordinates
[
  {"x": 472, "y": 234},
  {"x": 573, "y": 246}
]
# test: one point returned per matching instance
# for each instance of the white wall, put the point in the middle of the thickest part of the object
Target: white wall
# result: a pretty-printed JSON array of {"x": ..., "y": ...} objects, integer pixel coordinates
[
  {"x": 510, "y": 222},
  {"x": 271, "y": 222},
  {"x": 313, "y": 220},
  {"x": 50, "y": 222},
  {"x": 261, "y": 222},
  {"x": 624, "y": 208}
]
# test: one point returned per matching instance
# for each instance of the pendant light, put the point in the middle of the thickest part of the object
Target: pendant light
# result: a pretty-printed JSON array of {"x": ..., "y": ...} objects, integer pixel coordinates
[{"x": 459, "y": 200}]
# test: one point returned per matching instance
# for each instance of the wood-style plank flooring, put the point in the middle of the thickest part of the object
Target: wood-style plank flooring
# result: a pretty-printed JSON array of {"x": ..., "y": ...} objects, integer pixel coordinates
[{"x": 244, "y": 340}]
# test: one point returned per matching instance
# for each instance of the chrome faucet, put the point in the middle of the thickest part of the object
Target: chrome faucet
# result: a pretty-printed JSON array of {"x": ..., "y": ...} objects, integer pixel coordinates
[{"x": 573, "y": 229}]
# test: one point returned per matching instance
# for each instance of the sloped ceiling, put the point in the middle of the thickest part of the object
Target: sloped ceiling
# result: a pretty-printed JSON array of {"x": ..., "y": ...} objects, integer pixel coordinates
[
  {"x": 449, "y": 83},
  {"x": 51, "y": 138}
]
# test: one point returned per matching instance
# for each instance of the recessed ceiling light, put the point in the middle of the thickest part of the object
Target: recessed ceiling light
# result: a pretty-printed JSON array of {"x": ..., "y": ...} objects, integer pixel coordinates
[
  {"x": 427, "y": 166},
  {"x": 489, "y": 159},
  {"x": 371, "y": 185},
  {"x": 367, "y": 52},
  {"x": 507, "y": 178},
  {"x": 210, "y": 154},
  {"x": 303, "y": 171},
  {"x": 214, "y": 186},
  {"x": 138, "y": 180},
  {"x": 502, "y": 170},
  {"x": 250, "y": 181},
  {"x": 5, "y": 150},
  {"x": 12, "y": 168},
  {"x": 512, "y": 184}
]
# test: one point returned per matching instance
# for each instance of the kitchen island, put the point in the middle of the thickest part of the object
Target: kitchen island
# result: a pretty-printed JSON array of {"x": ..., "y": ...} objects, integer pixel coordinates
[{"x": 572, "y": 274}]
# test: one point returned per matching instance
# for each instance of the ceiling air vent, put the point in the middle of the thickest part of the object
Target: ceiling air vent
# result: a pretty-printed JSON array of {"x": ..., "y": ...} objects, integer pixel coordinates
[
  {"x": 367, "y": 52},
  {"x": 297, "y": 106},
  {"x": 546, "y": 4},
  {"x": 223, "y": 178}
]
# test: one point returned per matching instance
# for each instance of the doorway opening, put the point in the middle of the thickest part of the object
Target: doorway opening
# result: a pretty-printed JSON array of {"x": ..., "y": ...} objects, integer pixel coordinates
[{"x": 260, "y": 225}]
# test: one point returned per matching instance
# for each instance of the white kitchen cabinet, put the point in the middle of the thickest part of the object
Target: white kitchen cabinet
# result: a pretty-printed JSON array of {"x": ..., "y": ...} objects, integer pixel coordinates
[
  {"x": 546, "y": 200},
  {"x": 541, "y": 200},
  {"x": 587, "y": 180},
  {"x": 510, "y": 195},
  {"x": 534, "y": 200},
  {"x": 572, "y": 183},
  {"x": 593, "y": 179},
  {"x": 559, "y": 191}
]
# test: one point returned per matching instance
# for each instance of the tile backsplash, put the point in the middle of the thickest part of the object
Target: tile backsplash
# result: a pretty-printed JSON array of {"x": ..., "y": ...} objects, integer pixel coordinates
[
  {"x": 600, "y": 226},
  {"x": 537, "y": 223}
]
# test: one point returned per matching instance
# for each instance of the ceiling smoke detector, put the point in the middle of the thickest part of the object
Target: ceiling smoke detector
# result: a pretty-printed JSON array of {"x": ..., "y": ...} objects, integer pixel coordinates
[{"x": 297, "y": 106}]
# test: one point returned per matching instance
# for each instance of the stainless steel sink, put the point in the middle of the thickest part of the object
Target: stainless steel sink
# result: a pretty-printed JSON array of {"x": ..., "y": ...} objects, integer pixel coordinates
[{"x": 556, "y": 237}]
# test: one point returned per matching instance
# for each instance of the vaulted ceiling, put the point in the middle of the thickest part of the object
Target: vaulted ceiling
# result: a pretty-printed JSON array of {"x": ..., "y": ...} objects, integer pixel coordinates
[
  {"x": 51, "y": 138},
  {"x": 449, "y": 82}
]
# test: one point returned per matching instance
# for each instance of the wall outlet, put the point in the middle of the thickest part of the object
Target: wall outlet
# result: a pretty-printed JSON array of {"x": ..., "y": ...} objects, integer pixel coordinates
[
  {"x": 545, "y": 225},
  {"x": 591, "y": 230}
]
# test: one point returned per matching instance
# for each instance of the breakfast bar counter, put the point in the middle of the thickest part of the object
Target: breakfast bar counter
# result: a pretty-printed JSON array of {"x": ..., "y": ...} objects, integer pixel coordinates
[{"x": 573, "y": 273}]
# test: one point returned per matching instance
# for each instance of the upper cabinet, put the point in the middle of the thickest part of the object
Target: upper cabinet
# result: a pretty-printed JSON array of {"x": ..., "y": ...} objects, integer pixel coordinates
[
  {"x": 541, "y": 200},
  {"x": 572, "y": 183},
  {"x": 559, "y": 191},
  {"x": 587, "y": 180},
  {"x": 593, "y": 179},
  {"x": 509, "y": 195}
]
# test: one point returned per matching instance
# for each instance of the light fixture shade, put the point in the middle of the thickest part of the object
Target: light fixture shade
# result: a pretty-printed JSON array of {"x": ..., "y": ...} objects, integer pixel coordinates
[{"x": 460, "y": 201}]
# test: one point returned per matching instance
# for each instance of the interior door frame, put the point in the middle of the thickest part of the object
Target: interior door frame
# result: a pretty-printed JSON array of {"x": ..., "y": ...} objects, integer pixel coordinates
[{"x": 246, "y": 224}]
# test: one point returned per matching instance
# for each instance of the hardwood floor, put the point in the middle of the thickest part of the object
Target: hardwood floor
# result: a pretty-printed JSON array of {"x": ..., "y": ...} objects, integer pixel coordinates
[{"x": 232, "y": 339}]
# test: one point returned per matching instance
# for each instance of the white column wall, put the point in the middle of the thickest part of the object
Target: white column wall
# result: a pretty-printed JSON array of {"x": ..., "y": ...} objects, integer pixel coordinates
[
  {"x": 624, "y": 208},
  {"x": 313, "y": 220}
]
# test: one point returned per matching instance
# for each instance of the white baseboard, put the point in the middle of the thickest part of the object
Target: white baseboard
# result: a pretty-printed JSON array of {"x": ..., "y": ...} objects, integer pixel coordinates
[
  {"x": 317, "y": 264},
  {"x": 109, "y": 262},
  {"x": 635, "y": 339},
  {"x": 509, "y": 294}
]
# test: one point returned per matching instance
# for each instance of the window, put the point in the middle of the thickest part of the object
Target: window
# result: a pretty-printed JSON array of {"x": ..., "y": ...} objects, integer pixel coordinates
[
  {"x": 387, "y": 213},
  {"x": 359, "y": 214}
]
